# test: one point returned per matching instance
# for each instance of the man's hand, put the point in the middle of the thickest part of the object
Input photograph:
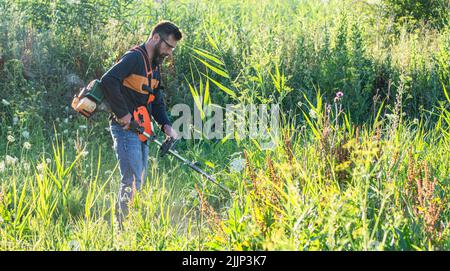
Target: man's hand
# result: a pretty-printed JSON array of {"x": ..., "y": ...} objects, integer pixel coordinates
[
  {"x": 169, "y": 131},
  {"x": 125, "y": 121}
]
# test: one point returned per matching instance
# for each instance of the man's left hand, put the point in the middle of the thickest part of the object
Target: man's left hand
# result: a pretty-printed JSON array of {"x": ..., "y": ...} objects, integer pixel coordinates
[{"x": 169, "y": 131}]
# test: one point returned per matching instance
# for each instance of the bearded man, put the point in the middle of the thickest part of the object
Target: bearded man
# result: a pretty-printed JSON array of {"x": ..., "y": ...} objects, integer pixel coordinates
[{"x": 133, "y": 90}]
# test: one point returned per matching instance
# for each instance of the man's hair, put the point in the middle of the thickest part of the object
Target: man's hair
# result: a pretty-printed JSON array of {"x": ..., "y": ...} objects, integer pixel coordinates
[{"x": 167, "y": 28}]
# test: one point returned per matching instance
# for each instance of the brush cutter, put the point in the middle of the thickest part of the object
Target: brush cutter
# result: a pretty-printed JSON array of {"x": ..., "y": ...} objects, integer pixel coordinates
[{"x": 166, "y": 147}]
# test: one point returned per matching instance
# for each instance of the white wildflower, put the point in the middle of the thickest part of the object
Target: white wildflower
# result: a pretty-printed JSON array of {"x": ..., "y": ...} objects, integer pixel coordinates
[
  {"x": 74, "y": 245},
  {"x": 83, "y": 127},
  {"x": 15, "y": 120},
  {"x": 26, "y": 134},
  {"x": 10, "y": 160},
  {"x": 84, "y": 153},
  {"x": 237, "y": 164},
  {"x": 26, "y": 166},
  {"x": 66, "y": 120},
  {"x": 10, "y": 138},
  {"x": 312, "y": 114},
  {"x": 40, "y": 167},
  {"x": 48, "y": 160},
  {"x": 27, "y": 145},
  {"x": 65, "y": 131},
  {"x": 2, "y": 166},
  {"x": 5, "y": 102},
  {"x": 72, "y": 78}
]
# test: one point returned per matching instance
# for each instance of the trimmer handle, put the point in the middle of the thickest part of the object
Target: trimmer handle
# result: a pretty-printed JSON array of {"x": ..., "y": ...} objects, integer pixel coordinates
[{"x": 134, "y": 126}]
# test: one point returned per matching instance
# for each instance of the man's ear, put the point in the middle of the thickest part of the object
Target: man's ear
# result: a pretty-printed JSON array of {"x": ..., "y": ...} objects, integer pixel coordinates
[{"x": 156, "y": 37}]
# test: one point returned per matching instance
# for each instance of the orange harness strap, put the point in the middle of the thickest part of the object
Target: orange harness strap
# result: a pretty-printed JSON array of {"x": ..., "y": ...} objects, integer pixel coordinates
[{"x": 153, "y": 82}]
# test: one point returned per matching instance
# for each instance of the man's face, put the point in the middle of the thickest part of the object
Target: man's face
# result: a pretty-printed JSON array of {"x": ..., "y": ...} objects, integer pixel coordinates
[{"x": 164, "y": 48}]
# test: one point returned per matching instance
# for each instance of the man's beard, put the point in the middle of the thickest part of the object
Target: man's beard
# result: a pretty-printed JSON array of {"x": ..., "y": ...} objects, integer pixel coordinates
[{"x": 158, "y": 58}]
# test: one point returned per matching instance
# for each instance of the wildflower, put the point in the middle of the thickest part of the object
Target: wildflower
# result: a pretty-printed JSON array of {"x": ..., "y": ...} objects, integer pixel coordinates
[
  {"x": 15, "y": 120},
  {"x": 237, "y": 165},
  {"x": 40, "y": 167},
  {"x": 48, "y": 160},
  {"x": 312, "y": 113},
  {"x": 25, "y": 134},
  {"x": 26, "y": 166},
  {"x": 27, "y": 145},
  {"x": 2, "y": 166},
  {"x": 65, "y": 131},
  {"x": 73, "y": 79},
  {"x": 84, "y": 153},
  {"x": 83, "y": 127},
  {"x": 338, "y": 97},
  {"x": 10, "y": 138},
  {"x": 66, "y": 120},
  {"x": 5, "y": 102},
  {"x": 74, "y": 245},
  {"x": 10, "y": 160}
]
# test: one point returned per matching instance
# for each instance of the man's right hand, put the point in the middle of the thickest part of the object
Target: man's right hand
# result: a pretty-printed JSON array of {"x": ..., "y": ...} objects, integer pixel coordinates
[{"x": 125, "y": 121}]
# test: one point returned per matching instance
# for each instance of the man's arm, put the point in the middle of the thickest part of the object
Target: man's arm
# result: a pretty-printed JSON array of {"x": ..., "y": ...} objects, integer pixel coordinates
[{"x": 111, "y": 82}]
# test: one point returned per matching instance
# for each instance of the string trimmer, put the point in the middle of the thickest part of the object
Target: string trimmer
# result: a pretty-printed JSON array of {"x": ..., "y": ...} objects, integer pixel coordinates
[{"x": 166, "y": 147}]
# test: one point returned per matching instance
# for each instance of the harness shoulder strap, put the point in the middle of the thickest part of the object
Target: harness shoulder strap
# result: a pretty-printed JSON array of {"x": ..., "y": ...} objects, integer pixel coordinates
[{"x": 144, "y": 57}]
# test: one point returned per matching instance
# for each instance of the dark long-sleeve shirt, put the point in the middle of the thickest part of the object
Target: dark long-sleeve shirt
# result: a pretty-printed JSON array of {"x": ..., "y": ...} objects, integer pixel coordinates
[{"x": 126, "y": 85}]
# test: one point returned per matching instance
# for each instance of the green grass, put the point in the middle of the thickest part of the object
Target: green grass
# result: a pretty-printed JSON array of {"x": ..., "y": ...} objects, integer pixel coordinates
[{"x": 370, "y": 172}]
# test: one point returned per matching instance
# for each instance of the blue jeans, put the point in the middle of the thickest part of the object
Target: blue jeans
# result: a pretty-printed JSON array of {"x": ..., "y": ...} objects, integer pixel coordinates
[{"x": 133, "y": 161}]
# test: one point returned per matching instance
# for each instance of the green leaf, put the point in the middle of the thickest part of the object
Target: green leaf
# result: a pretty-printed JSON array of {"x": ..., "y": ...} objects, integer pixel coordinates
[
  {"x": 212, "y": 42},
  {"x": 311, "y": 125},
  {"x": 196, "y": 100},
  {"x": 214, "y": 69},
  {"x": 206, "y": 99},
  {"x": 209, "y": 56},
  {"x": 445, "y": 92},
  {"x": 222, "y": 87}
]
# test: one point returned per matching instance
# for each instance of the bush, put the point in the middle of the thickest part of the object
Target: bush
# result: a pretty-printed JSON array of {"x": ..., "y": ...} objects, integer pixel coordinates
[{"x": 430, "y": 12}]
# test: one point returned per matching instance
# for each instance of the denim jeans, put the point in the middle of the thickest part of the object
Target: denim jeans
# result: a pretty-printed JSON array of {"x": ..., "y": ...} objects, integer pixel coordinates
[{"x": 132, "y": 155}]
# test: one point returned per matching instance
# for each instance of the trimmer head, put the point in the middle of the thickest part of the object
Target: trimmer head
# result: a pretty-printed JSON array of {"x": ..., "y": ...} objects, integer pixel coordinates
[{"x": 166, "y": 146}]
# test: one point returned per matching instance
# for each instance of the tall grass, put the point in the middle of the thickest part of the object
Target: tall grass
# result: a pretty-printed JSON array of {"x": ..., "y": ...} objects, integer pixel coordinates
[{"x": 366, "y": 171}]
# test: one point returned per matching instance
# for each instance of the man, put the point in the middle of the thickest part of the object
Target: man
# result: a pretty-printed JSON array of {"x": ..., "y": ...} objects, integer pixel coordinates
[{"x": 132, "y": 83}]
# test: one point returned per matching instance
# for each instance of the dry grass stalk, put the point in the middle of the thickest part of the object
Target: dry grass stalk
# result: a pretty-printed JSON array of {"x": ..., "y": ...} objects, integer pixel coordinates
[
  {"x": 212, "y": 218},
  {"x": 420, "y": 189},
  {"x": 251, "y": 172},
  {"x": 289, "y": 149}
]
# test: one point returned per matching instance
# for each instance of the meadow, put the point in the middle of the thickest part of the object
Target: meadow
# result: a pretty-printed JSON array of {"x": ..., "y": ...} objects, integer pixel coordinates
[{"x": 362, "y": 160}]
